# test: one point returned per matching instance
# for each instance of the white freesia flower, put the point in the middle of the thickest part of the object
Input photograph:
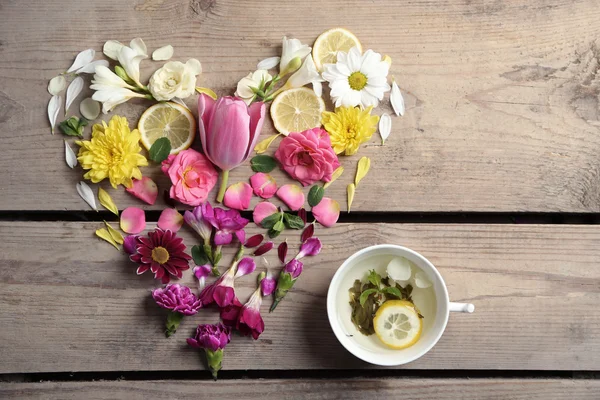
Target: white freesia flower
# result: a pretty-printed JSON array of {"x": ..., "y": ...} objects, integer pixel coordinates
[
  {"x": 357, "y": 79},
  {"x": 112, "y": 48},
  {"x": 254, "y": 80},
  {"x": 174, "y": 79},
  {"x": 292, "y": 49},
  {"x": 130, "y": 58},
  {"x": 306, "y": 74},
  {"x": 110, "y": 89}
]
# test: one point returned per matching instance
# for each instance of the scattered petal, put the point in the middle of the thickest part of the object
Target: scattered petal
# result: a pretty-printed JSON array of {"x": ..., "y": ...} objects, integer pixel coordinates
[
  {"x": 130, "y": 244},
  {"x": 112, "y": 48},
  {"x": 53, "y": 109},
  {"x": 57, "y": 85},
  {"x": 302, "y": 215},
  {"x": 73, "y": 91},
  {"x": 265, "y": 248},
  {"x": 399, "y": 269},
  {"x": 387, "y": 59},
  {"x": 254, "y": 241},
  {"x": 201, "y": 272},
  {"x": 170, "y": 219},
  {"x": 310, "y": 248},
  {"x": 163, "y": 53},
  {"x": 421, "y": 280},
  {"x": 336, "y": 174},
  {"x": 282, "y": 251},
  {"x": 264, "y": 144},
  {"x": 104, "y": 234},
  {"x": 83, "y": 58},
  {"x": 364, "y": 164},
  {"x": 396, "y": 99},
  {"x": 351, "y": 189},
  {"x": 292, "y": 196},
  {"x": 238, "y": 196},
  {"x": 107, "y": 201},
  {"x": 115, "y": 234},
  {"x": 89, "y": 108},
  {"x": 180, "y": 102},
  {"x": 209, "y": 92},
  {"x": 268, "y": 285},
  {"x": 133, "y": 220},
  {"x": 245, "y": 267},
  {"x": 262, "y": 211},
  {"x": 70, "y": 156},
  {"x": 263, "y": 185},
  {"x": 268, "y": 63},
  {"x": 327, "y": 212},
  {"x": 86, "y": 194},
  {"x": 91, "y": 67},
  {"x": 385, "y": 127},
  {"x": 317, "y": 88},
  {"x": 144, "y": 189},
  {"x": 307, "y": 233},
  {"x": 194, "y": 65}
]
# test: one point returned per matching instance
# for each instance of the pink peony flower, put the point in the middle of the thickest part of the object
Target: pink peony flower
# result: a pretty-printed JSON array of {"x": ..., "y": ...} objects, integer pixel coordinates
[
  {"x": 192, "y": 176},
  {"x": 213, "y": 339},
  {"x": 307, "y": 156}
]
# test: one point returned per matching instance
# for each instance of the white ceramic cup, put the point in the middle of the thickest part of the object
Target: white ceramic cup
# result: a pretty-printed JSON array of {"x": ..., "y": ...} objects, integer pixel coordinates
[{"x": 370, "y": 349}]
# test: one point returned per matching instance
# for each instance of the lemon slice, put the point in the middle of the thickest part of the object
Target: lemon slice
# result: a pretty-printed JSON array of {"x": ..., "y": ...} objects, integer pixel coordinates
[
  {"x": 397, "y": 324},
  {"x": 330, "y": 42},
  {"x": 296, "y": 110},
  {"x": 168, "y": 120}
]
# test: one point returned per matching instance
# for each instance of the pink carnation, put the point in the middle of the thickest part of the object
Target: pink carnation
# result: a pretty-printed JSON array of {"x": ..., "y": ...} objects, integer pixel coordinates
[
  {"x": 192, "y": 175},
  {"x": 307, "y": 156}
]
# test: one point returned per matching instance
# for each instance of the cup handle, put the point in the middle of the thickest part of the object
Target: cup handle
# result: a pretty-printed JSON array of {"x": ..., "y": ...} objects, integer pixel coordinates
[{"x": 461, "y": 307}]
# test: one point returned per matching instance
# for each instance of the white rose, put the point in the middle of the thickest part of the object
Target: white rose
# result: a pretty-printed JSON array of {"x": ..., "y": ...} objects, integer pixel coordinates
[{"x": 175, "y": 79}]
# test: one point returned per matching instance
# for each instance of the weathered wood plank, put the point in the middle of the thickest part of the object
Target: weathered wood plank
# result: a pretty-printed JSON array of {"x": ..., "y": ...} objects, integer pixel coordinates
[
  {"x": 406, "y": 389},
  {"x": 502, "y": 96},
  {"x": 69, "y": 302}
]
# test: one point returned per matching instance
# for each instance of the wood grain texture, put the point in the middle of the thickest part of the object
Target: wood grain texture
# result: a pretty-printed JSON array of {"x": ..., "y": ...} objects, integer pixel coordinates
[
  {"x": 69, "y": 302},
  {"x": 502, "y": 96},
  {"x": 406, "y": 389}
]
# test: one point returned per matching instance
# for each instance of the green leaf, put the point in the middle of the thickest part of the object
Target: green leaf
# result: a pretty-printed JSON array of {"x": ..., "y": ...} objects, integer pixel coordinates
[
  {"x": 279, "y": 226},
  {"x": 273, "y": 233},
  {"x": 160, "y": 150},
  {"x": 271, "y": 220},
  {"x": 364, "y": 295},
  {"x": 374, "y": 278},
  {"x": 293, "y": 221},
  {"x": 263, "y": 163},
  {"x": 393, "y": 291},
  {"x": 199, "y": 255},
  {"x": 315, "y": 195},
  {"x": 72, "y": 126}
]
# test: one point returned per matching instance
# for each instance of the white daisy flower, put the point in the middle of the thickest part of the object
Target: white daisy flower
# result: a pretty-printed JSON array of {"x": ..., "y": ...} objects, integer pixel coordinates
[{"x": 357, "y": 79}]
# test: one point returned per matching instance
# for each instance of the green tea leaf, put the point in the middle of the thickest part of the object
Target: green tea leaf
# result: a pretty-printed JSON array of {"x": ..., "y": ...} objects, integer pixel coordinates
[
  {"x": 263, "y": 163},
  {"x": 160, "y": 150},
  {"x": 273, "y": 233},
  {"x": 364, "y": 295},
  {"x": 315, "y": 195},
  {"x": 374, "y": 278},
  {"x": 271, "y": 220},
  {"x": 293, "y": 221},
  {"x": 199, "y": 255},
  {"x": 393, "y": 291}
]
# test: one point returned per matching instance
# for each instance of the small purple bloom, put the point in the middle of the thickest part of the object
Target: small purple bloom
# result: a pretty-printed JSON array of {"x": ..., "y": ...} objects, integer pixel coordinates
[
  {"x": 197, "y": 220},
  {"x": 294, "y": 268},
  {"x": 227, "y": 223},
  {"x": 178, "y": 298},
  {"x": 311, "y": 247},
  {"x": 268, "y": 285},
  {"x": 211, "y": 337},
  {"x": 130, "y": 244},
  {"x": 201, "y": 272},
  {"x": 221, "y": 291}
]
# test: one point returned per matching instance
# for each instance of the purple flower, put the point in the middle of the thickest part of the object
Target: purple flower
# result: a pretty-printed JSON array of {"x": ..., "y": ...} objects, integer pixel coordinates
[
  {"x": 268, "y": 285},
  {"x": 230, "y": 313},
  {"x": 130, "y": 244},
  {"x": 213, "y": 339},
  {"x": 227, "y": 223},
  {"x": 178, "y": 298},
  {"x": 311, "y": 247},
  {"x": 201, "y": 272},
  {"x": 197, "y": 220},
  {"x": 222, "y": 291},
  {"x": 250, "y": 321},
  {"x": 294, "y": 268}
]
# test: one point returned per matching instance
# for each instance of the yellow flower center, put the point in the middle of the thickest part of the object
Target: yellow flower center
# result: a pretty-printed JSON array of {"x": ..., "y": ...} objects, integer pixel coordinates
[
  {"x": 160, "y": 255},
  {"x": 357, "y": 80}
]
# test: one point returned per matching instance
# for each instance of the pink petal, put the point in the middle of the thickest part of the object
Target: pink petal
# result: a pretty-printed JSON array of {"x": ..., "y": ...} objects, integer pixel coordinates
[
  {"x": 245, "y": 267},
  {"x": 202, "y": 271},
  {"x": 144, "y": 189},
  {"x": 263, "y": 185},
  {"x": 292, "y": 196},
  {"x": 238, "y": 196},
  {"x": 254, "y": 241},
  {"x": 170, "y": 219},
  {"x": 129, "y": 244},
  {"x": 265, "y": 248},
  {"x": 327, "y": 212},
  {"x": 133, "y": 220},
  {"x": 262, "y": 211}
]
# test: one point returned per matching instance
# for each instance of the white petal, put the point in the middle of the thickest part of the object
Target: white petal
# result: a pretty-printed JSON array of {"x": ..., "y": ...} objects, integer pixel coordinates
[
  {"x": 91, "y": 67},
  {"x": 180, "y": 102},
  {"x": 385, "y": 127},
  {"x": 139, "y": 47},
  {"x": 397, "y": 100},
  {"x": 421, "y": 280},
  {"x": 317, "y": 88},
  {"x": 73, "y": 91},
  {"x": 112, "y": 48},
  {"x": 164, "y": 53},
  {"x": 105, "y": 76},
  {"x": 399, "y": 269},
  {"x": 194, "y": 65},
  {"x": 130, "y": 61},
  {"x": 83, "y": 58},
  {"x": 57, "y": 85},
  {"x": 87, "y": 194},
  {"x": 261, "y": 76},
  {"x": 89, "y": 108},
  {"x": 354, "y": 59},
  {"x": 70, "y": 156},
  {"x": 268, "y": 63},
  {"x": 53, "y": 109}
]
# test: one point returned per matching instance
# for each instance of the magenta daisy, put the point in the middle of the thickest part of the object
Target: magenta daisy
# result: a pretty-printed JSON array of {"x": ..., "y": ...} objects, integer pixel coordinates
[{"x": 161, "y": 252}]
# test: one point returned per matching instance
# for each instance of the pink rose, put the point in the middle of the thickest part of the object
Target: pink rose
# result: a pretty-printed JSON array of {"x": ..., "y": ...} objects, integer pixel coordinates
[
  {"x": 307, "y": 156},
  {"x": 193, "y": 177}
]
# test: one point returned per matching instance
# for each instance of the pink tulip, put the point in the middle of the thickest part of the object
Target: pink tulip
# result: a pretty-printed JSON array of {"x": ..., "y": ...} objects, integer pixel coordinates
[{"x": 229, "y": 130}]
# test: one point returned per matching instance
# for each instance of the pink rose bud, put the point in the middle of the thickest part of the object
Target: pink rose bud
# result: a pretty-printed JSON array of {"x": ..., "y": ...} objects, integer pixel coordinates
[
  {"x": 263, "y": 185},
  {"x": 327, "y": 212},
  {"x": 262, "y": 211},
  {"x": 311, "y": 247},
  {"x": 238, "y": 196},
  {"x": 292, "y": 196}
]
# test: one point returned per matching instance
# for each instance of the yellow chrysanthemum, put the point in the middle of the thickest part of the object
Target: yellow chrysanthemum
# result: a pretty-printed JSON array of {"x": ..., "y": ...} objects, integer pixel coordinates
[
  {"x": 112, "y": 152},
  {"x": 348, "y": 127}
]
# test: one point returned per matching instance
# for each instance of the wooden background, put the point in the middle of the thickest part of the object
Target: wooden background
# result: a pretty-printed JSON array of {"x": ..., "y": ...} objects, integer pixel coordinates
[{"x": 502, "y": 125}]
